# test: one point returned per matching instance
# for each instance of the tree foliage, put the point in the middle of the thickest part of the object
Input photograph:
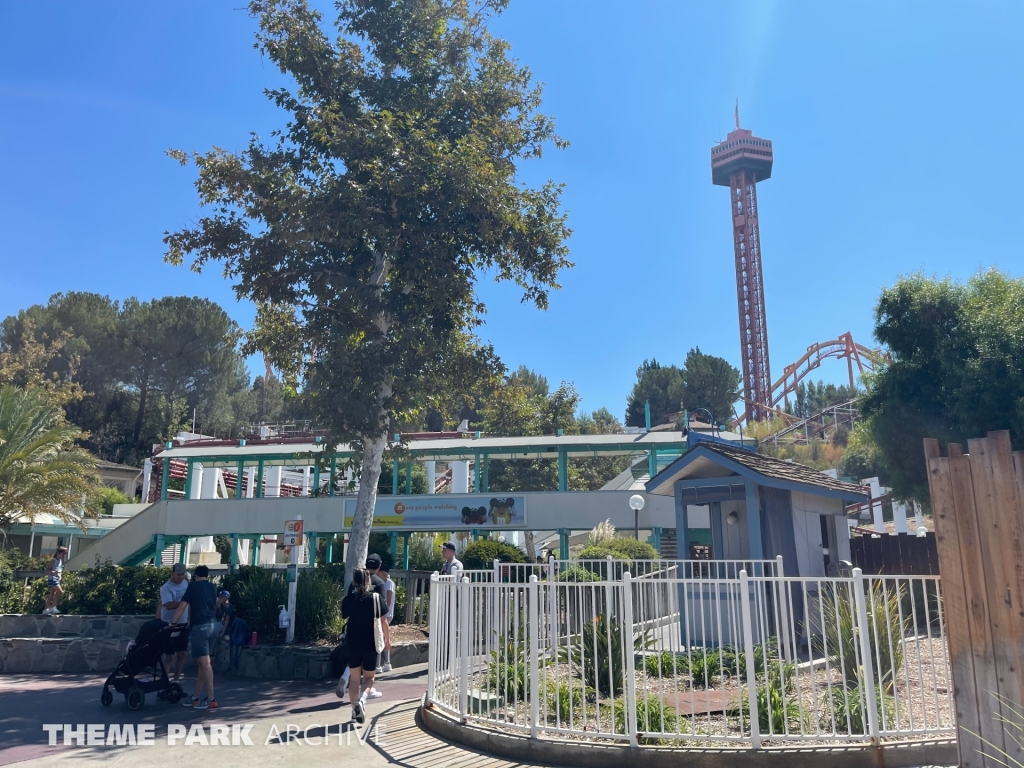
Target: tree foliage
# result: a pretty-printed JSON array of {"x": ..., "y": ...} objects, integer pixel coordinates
[
  {"x": 373, "y": 212},
  {"x": 41, "y": 470},
  {"x": 704, "y": 381},
  {"x": 956, "y": 370}
]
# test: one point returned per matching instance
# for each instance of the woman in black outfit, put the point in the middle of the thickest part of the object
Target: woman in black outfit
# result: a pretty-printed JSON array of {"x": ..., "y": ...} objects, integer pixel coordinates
[{"x": 359, "y": 609}]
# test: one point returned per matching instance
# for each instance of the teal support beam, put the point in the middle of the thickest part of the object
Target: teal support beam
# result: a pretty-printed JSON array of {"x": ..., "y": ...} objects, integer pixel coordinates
[
  {"x": 254, "y": 550},
  {"x": 405, "y": 552},
  {"x": 239, "y": 477},
  {"x": 487, "y": 473},
  {"x": 334, "y": 474},
  {"x": 315, "y": 490},
  {"x": 234, "y": 552},
  {"x": 563, "y": 543},
  {"x": 476, "y": 472},
  {"x": 655, "y": 539},
  {"x": 647, "y": 414},
  {"x": 476, "y": 534},
  {"x": 258, "y": 493},
  {"x": 311, "y": 542},
  {"x": 329, "y": 550},
  {"x": 393, "y": 542},
  {"x": 188, "y": 479},
  {"x": 563, "y": 470},
  {"x": 164, "y": 477},
  {"x": 183, "y": 552},
  {"x": 408, "y": 477},
  {"x": 652, "y": 463},
  {"x": 394, "y": 476},
  {"x": 158, "y": 549}
]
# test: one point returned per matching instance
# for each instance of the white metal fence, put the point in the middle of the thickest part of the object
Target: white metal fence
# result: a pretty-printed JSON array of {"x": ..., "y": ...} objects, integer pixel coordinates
[{"x": 687, "y": 655}]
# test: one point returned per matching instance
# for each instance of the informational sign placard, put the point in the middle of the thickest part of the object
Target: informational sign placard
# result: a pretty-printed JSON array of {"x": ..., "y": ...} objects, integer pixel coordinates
[
  {"x": 293, "y": 533},
  {"x": 446, "y": 512}
]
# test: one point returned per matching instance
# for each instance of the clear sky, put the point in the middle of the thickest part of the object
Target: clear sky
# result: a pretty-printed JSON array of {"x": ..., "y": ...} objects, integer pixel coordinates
[{"x": 898, "y": 131}]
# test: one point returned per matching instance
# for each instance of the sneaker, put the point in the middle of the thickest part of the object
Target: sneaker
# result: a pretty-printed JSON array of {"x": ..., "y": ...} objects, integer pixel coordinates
[
  {"x": 373, "y": 693},
  {"x": 359, "y": 712},
  {"x": 378, "y": 670},
  {"x": 204, "y": 704},
  {"x": 386, "y": 668},
  {"x": 54, "y": 611},
  {"x": 190, "y": 702},
  {"x": 213, "y": 704},
  {"x": 47, "y": 611}
]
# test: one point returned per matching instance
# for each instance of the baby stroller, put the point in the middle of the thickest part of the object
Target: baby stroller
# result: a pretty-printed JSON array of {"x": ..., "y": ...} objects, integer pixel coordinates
[{"x": 141, "y": 670}]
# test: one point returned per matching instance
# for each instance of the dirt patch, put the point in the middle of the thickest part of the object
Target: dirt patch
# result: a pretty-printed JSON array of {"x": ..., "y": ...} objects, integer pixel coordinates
[{"x": 408, "y": 633}]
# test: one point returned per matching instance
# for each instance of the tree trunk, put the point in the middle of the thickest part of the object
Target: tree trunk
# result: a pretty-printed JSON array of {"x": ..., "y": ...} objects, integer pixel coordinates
[
  {"x": 366, "y": 500},
  {"x": 531, "y": 549}
]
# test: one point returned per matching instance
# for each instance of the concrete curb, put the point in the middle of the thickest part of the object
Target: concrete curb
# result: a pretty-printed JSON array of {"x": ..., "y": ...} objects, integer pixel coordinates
[{"x": 575, "y": 754}]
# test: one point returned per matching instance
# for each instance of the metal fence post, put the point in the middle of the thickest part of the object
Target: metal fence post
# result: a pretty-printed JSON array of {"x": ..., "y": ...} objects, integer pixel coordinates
[
  {"x": 748, "y": 645},
  {"x": 863, "y": 629},
  {"x": 464, "y": 654},
  {"x": 785, "y": 594},
  {"x": 609, "y": 595},
  {"x": 626, "y": 627},
  {"x": 534, "y": 631},
  {"x": 552, "y": 605},
  {"x": 432, "y": 648}
]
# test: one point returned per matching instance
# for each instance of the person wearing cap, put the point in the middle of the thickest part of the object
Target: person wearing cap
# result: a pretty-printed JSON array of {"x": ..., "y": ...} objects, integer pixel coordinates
[
  {"x": 170, "y": 598},
  {"x": 225, "y": 612},
  {"x": 200, "y": 600},
  {"x": 451, "y": 563},
  {"x": 373, "y": 564}
]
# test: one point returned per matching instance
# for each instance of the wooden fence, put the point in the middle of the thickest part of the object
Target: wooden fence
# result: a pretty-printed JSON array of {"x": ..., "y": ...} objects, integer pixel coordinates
[
  {"x": 978, "y": 508},
  {"x": 897, "y": 554}
]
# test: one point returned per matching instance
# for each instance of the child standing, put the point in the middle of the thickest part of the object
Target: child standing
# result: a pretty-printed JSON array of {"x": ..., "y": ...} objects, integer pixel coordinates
[{"x": 53, "y": 577}]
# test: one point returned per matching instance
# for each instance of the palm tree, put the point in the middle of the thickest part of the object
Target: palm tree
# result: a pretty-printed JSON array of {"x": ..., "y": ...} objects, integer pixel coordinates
[{"x": 42, "y": 471}]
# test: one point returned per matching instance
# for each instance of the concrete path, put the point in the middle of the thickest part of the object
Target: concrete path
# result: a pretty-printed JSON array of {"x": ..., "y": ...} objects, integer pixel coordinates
[{"x": 291, "y": 722}]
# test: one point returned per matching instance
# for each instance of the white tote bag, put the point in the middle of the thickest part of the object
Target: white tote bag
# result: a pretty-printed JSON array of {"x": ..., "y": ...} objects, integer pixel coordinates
[{"x": 378, "y": 630}]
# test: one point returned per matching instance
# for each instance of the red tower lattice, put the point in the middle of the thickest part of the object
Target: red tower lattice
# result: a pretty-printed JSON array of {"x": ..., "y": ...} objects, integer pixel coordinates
[{"x": 739, "y": 163}]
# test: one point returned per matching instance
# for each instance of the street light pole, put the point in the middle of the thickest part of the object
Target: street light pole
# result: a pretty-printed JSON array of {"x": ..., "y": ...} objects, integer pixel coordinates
[{"x": 636, "y": 502}]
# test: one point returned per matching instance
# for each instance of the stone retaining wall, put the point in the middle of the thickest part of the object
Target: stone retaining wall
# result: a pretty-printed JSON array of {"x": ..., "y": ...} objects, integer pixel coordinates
[{"x": 32, "y": 643}]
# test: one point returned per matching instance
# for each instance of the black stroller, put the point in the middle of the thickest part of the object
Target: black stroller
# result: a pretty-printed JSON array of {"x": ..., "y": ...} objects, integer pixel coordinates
[{"x": 141, "y": 670}]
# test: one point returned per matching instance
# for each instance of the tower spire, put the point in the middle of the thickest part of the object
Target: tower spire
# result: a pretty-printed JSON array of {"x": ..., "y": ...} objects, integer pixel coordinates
[{"x": 737, "y": 115}]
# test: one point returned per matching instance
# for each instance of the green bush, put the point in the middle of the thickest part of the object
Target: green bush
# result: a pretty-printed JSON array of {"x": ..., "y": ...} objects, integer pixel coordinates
[
  {"x": 631, "y": 549},
  {"x": 102, "y": 500},
  {"x": 666, "y": 664},
  {"x": 777, "y": 704},
  {"x": 12, "y": 591},
  {"x": 105, "y": 589},
  {"x": 480, "y": 555},
  {"x": 836, "y": 701},
  {"x": 565, "y": 703},
  {"x": 425, "y": 553},
  {"x": 620, "y": 563},
  {"x": 652, "y": 716},
  {"x": 258, "y": 594},
  {"x": 577, "y": 573},
  {"x": 317, "y": 607},
  {"x": 599, "y": 654}
]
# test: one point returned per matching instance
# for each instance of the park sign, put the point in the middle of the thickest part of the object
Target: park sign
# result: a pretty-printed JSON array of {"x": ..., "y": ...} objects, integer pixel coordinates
[
  {"x": 446, "y": 512},
  {"x": 292, "y": 533}
]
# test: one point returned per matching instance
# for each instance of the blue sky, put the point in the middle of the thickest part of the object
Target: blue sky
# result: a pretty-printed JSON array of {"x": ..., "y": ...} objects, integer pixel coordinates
[{"x": 897, "y": 130}]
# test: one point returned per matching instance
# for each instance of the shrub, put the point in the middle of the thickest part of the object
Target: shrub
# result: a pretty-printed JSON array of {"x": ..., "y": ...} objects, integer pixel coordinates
[
  {"x": 599, "y": 654},
  {"x": 102, "y": 500},
  {"x": 577, "y": 573},
  {"x": 834, "y": 710},
  {"x": 258, "y": 596},
  {"x": 105, "y": 589},
  {"x": 704, "y": 666},
  {"x": 652, "y": 716},
  {"x": 12, "y": 592},
  {"x": 777, "y": 704},
  {"x": 601, "y": 533},
  {"x": 631, "y": 549},
  {"x": 565, "y": 703},
  {"x": 620, "y": 563},
  {"x": 885, "y": 629},
  {"x": 317, "y": 607},
  {"x": 425, "y": 553},
  {"x": 666, "y": 664},
  {"x": 482, "y": 554}
]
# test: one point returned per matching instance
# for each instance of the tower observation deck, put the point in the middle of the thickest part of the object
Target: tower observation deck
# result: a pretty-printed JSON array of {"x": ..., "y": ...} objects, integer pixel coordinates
[{"x": 739, "y": 163}]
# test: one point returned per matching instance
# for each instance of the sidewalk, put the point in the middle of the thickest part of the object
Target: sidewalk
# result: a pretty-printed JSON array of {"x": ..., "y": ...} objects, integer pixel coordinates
[{"x": 291, "y": 721}]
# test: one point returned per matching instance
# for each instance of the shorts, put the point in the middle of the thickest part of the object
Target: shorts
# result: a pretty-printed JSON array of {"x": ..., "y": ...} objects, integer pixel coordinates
[
  {"x": 177, "y": 641},
  {"x": 202, "y": 636},
  {"x": 52, "y": 581},
  {"x": 361, "y": 657}
]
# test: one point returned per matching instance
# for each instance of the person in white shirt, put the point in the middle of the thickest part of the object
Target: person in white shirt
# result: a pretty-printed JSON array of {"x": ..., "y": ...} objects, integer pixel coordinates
[
  {"x": 389, "y": 600},
  {"x": 451, "y": 563},
  {"x": 170, "y": 598}
]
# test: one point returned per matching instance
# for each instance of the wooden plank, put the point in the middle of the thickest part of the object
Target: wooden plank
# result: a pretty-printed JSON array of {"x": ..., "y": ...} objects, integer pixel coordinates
[
  {"x": 978, "y": 597},
  {"x": 954, "y": 599},
  {"x": 955, "y": 450},
  {"x": 1008, "y": 534}
]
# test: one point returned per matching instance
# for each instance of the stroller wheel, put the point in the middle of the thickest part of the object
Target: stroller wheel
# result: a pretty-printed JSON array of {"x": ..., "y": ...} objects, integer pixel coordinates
[
  {"x": 174, "y": 693},
  {"x": 135, "y": 698},
  {"x": 106, "y": 697}
]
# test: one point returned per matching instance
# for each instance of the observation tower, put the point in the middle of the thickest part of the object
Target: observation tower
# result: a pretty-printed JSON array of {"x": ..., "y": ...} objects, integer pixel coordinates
[{"x": 740, "y": 162}]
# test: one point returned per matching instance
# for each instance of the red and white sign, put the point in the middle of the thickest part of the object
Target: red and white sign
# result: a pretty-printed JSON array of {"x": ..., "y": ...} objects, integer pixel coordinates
[{"x": 292, "y": 533}]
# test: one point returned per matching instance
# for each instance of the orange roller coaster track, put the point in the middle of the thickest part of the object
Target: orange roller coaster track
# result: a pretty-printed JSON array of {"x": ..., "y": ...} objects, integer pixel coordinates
[{"x": 865, "y": 358}]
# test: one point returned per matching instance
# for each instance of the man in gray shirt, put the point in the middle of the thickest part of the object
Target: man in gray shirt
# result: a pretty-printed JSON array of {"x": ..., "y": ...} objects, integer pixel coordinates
[
  {"x": 451, "y": 565},
  {"x": 170, "y": 597}
]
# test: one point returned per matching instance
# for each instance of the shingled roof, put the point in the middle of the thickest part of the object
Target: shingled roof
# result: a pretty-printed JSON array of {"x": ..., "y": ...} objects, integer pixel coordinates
[{"x": 770, "y": 468}]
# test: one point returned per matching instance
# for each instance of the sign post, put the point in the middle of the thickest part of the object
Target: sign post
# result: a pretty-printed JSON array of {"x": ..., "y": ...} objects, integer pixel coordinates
[{"x": 292, "y": 540}]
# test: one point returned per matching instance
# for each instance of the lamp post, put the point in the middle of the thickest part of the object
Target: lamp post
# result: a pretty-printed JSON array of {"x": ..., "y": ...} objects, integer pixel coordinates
[{"x": 636, "y": 502}]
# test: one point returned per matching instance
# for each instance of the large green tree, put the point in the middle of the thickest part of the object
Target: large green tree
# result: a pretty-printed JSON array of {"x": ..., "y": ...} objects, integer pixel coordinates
[
  {"x": 956, "y": 369},
  {"x": 659, "y": 385},
  {"x": 389, "y": 192},
  {"x": 704, "y": 381}
]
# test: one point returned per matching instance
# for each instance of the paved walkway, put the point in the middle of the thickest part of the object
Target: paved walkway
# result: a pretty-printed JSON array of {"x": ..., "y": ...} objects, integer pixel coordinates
[{"x": 292, "y": 722}]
